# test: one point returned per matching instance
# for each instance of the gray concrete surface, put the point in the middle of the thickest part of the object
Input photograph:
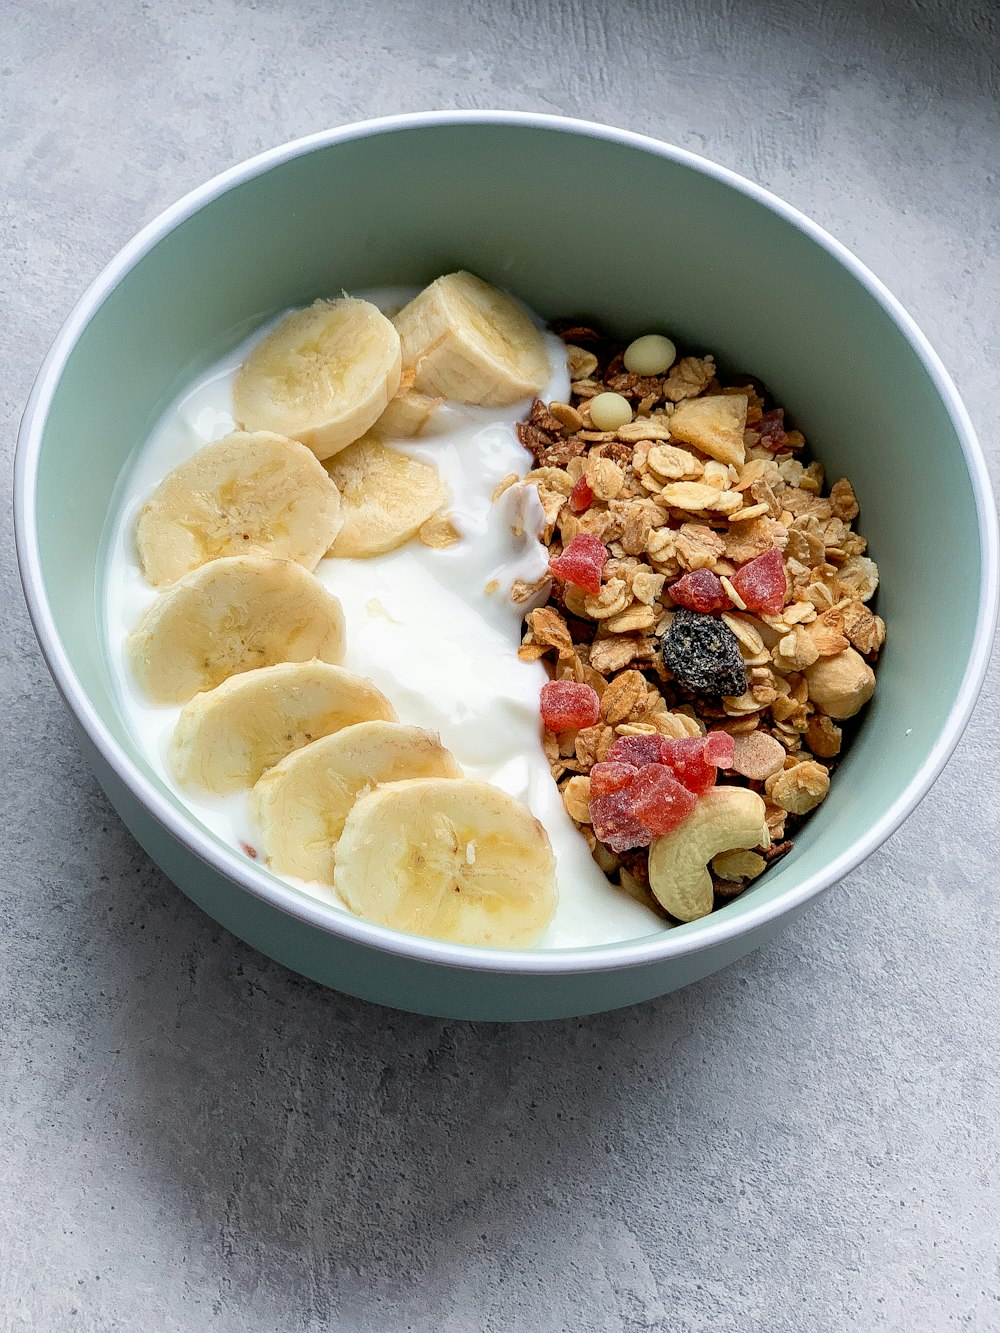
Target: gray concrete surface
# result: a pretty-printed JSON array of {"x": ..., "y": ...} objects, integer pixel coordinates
[{"x": 193, "y": 1139}]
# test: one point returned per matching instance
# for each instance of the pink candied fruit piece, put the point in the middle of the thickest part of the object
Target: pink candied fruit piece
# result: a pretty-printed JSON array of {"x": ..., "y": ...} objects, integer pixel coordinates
[
  {"x": 700, "y": 590},
  {"x": 581, "y": 497},
  {"x": 636, "y": 750},
  {"x": 720, "y": 749},
  {"x": 608, "y": 776},
  {"x": 694, "y": 759},
  {"x": 772, "y": 429},
  {"x": 658, "y": 801},
  {"x": 761, "y": 582},
  {"x": 615, "y": 823},
  {"x": 568, "y": 706},
  {"x": 582, "y": 563}
]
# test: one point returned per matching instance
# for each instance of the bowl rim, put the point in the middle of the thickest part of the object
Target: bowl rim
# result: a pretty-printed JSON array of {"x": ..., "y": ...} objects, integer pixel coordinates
[{"x": 709, "y": 932}]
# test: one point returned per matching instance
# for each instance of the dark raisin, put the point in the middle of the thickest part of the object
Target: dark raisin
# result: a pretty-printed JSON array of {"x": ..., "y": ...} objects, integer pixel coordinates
[{"x": 703, "y": 653}]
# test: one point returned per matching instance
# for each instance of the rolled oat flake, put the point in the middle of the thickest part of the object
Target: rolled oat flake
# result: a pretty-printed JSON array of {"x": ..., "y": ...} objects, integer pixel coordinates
[{"x": 703, "y": 654}]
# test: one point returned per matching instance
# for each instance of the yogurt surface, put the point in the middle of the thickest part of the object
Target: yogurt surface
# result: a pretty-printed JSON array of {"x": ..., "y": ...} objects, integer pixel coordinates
[{"x": 435, "y": 630}]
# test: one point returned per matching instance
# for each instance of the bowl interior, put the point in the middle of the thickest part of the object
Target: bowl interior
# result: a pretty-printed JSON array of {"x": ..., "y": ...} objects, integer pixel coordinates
[{"x": 575, "y": 225}]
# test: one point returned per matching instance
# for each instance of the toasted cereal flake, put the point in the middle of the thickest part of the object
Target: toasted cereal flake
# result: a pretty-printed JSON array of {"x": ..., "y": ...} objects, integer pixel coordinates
[
  {"x": 823, "y": 736},
  {"x": 689, "y": 377},
  {"x": 576, "y": 798},
  {"x": 860, "y": 576},
  {"x": 697, "y": 546},
  {"x": 800, "y": 788},
  {"x": 611, "y": 654},
  {"x": 673, "y": 464},
  {"x": 646, "y": 428},
  {"x": 865, "y": 630}
]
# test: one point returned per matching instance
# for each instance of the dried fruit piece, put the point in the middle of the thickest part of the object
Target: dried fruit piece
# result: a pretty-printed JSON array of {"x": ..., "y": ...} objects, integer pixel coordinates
[
  {"x": 703, "y": 654},
  {"x": 761, "y": 582},
  {"x": 701, "y": 590},
  {"x": 582, "y": 563},
  {"x": 611, "y": 776},
  {"x": 660, "y": 803},
  {"x": 581, "y": 497},
  {"x": 615, "y": 822},
  {"x": 569, "y": 706},
  {"x": 694, "y": 759},
  {"x": 636, "y": 750},
  {"x": 772, "y": 429}
]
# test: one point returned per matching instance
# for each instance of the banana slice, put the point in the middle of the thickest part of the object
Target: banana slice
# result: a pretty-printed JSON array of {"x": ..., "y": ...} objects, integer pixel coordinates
[
  {"x": 455, "y": 860},
  {"x": 231, "y": 615},
  {"x": 467, "y": 341},
  {"x": 324, "y": 376},
  {"x": 242, "y": 493},
  {"x": 385, "y": 497},
  {"x": 300, "y": 805},
  {"x": 407, "y": 416},
  {"x": 227, "y": 737}
]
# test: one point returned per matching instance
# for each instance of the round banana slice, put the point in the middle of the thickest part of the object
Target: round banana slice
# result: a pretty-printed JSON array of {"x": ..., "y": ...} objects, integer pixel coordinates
[
  {"x": 300, "y": 805},
  {"x": 455, "y": 860},
  {"x": 227, "y": 737},
  {"x": 385, "y": 497},
  {"x": 231, "y": 615},
  {"x": 324, "y": 376},
  {"x": 471, "y": 343},
  {"x": 245, "y": 492}
]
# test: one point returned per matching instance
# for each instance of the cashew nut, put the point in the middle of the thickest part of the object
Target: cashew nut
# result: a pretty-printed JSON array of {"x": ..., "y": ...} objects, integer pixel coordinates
[
  {"x": 725, "y": 818},
  {"x": 841, "y": 685}
]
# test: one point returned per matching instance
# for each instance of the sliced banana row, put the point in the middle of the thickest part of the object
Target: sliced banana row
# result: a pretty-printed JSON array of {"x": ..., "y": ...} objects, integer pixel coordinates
[{"x": 250, "y": 642}]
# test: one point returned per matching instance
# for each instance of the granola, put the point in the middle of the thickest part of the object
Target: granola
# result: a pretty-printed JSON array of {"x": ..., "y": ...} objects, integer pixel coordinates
[{"x": 705, "y": 502}]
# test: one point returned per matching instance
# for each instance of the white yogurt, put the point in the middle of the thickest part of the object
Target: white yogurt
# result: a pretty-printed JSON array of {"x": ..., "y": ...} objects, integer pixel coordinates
[{"x": 435, "y": 630}]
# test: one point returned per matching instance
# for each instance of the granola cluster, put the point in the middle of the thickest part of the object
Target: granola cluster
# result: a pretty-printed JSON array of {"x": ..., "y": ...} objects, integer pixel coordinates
[{"x": 704, "y": 477}]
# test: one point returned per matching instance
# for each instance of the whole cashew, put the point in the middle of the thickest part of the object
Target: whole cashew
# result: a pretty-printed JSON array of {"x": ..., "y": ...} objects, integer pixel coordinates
[{"x": 725, "y": 818}]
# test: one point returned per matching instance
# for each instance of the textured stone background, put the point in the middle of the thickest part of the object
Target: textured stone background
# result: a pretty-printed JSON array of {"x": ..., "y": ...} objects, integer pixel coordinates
[{"x": 191, "y": 1138}]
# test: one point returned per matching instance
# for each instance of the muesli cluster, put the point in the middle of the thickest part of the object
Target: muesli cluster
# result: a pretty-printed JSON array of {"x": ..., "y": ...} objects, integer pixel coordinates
[{"x": 707, "y": 616}]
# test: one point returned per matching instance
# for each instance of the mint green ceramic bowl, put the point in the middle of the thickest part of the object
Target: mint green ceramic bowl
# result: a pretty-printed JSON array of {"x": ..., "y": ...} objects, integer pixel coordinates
[{"x": 575, "y": 218}]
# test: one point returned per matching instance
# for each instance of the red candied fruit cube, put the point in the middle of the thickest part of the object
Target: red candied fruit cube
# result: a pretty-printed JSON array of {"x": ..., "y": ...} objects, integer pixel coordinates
[
  {"x": 582, "y": 563},
  {"x": 581, "y": 497},
  {"x": 693, "y": 760},
  {"x": 772, "y": 429},
  {"x": 608, "y": 777},
  {"x": 568, "y": 705},
  {"x": 761, "y": 582},
  {"x": 615, "y": 822},
  {"x": 700, "y": 590},
  {"x": 636, "y": 750},
  {"x": 720, "y": 749},
  {"x": 659, "y": 802}
]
